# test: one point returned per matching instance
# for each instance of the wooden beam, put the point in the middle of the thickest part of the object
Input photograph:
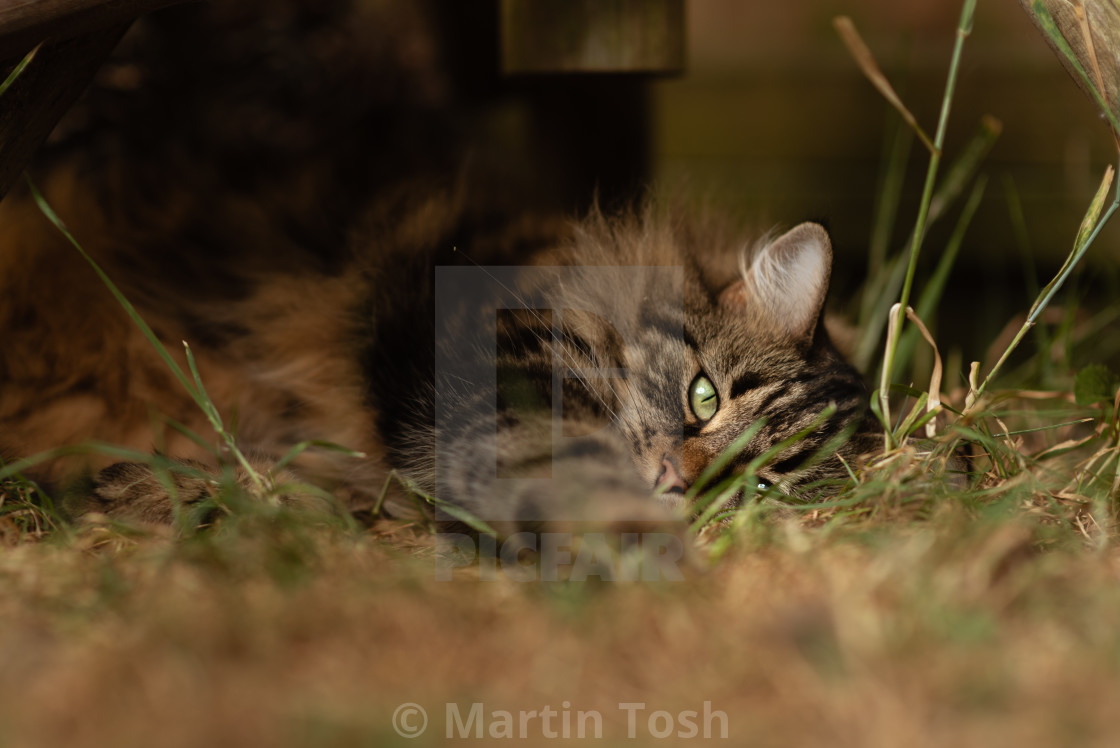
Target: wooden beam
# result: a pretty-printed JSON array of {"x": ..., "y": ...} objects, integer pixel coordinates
[
  {"x": 25, "y": 23},
  {"x": 592, "y": 36},
  {"x": 47, "y": 87}
]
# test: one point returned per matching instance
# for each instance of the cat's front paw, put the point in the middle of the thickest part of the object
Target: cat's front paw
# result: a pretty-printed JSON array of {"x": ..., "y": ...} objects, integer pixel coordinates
[
  {"x": 185, "y": 491},
  {"x": 134, "y": 492},
  {"x": 595, "y": 528}
]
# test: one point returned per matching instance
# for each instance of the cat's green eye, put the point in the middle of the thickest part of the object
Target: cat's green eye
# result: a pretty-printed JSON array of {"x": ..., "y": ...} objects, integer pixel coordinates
[{"x": 703, "y": 398}]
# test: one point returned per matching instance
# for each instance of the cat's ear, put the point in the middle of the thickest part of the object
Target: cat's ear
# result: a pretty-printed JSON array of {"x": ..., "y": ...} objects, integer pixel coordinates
[{"x": 786, "y": 282}]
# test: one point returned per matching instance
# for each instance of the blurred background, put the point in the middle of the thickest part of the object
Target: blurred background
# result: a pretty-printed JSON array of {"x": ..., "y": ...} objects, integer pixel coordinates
[
  {"x": 765, "y": 113},
  {"x": 755, "y": 108}
]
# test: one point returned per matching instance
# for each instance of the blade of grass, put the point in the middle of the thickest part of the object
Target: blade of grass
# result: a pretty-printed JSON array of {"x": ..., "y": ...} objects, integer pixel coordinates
[
  {"x": 215, "y": 419},
  {"x": 204, "y": 400},
  {"x": 870, "y": 68},
  {"x": 454, "y": 510},
  {"x": 42, "y": 503},
  {"x": 187, "y": 432},
  {"x": 339, "y": 510},
  {"x": 964, "y": 28},
  {"x": 129, "y": 309},
  {"x": 122, "y": 454},
  {"x": 933, "y": 405},
  {"x": 18, "y": 69},
  {"x": 718, "y": 464},
  {"x": 1047, "y": 427},
  {"x": 1090, "y": 228},
  {"x": 889, "y": 196},
  {"x": 193, "y": 388},
  {"x": 961, "y": 170},
  {"x": 887, "y": 285},
  {"x": 1030, "y": 269},
  {"x": 741, "y": 481},
  {"x": 302, "y": 447},
  {"x": 935, "y": 287}
]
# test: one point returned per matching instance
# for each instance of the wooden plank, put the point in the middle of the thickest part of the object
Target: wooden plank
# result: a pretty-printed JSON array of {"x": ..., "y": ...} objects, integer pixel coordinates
[
  {"x": 592, "y": 36},
  {"x": 50, "y": 83},
  {"x": 25, "y": 23}
]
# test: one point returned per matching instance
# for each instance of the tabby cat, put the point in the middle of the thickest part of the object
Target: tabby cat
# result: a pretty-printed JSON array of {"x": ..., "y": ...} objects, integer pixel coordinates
[{"x": 524, "y": 368}]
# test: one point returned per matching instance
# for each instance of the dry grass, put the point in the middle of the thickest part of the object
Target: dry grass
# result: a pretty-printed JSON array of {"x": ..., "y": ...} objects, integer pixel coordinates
[{"x": 951, "y": 631}]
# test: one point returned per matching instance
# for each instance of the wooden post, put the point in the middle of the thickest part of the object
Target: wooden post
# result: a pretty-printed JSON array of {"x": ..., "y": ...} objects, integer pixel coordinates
[{"x": 601, "y": 36}]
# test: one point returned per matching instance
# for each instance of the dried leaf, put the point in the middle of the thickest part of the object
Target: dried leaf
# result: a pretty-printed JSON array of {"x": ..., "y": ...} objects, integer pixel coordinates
[
  {"x": 1085, "y": 34},
  {"x": 866, "y": 61}
]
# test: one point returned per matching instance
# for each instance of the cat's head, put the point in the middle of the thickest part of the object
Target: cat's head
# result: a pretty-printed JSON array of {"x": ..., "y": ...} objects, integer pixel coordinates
[{"x": 751, "y": 368}]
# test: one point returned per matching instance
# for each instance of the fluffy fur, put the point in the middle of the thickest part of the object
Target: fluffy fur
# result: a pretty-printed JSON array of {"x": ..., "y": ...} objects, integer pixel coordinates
[{"x": 309, "y": 271}]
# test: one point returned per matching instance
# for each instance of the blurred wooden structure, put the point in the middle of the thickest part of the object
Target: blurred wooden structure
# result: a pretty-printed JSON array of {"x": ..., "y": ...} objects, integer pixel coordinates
[
  {"x": 70, "y": 39},
  {"x": 581, "y": 71},
  {"x": 592, "y": 36},
  {"x": 773, "y": 119},
  {"x": 24, "y": 24}
]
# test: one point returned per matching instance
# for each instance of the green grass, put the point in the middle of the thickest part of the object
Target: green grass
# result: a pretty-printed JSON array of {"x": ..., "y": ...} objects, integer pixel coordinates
[{"x": 920, "y": 605}]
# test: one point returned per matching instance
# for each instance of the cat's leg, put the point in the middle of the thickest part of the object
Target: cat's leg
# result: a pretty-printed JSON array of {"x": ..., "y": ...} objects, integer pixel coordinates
[
  {"x": 562, "y": 499},
  {"x": 182, "y": 491},
  {"x": 524, "y": 476}
]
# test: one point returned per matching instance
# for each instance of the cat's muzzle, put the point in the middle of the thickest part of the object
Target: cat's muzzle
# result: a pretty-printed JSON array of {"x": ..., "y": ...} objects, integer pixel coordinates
[{"x": 669, "y": 480}]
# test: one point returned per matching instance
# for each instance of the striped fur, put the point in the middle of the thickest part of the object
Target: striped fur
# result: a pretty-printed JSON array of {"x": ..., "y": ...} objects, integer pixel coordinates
[
  {"x": 640, "y": 306},
  {"x": 279, "y": 200},
  {"x": 626, "y": 311}
]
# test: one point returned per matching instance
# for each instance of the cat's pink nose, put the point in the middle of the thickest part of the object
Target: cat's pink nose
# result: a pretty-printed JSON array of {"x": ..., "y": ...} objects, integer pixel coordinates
[{"x": 669, "y": 479}]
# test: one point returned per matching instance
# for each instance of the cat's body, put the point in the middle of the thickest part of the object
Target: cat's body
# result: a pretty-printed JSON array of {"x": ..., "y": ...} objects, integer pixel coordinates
[{"x": 379, "y": 330}]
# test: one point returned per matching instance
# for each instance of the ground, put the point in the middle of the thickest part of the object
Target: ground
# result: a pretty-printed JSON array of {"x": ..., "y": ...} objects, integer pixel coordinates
[{"x": 956, "y": 629}]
